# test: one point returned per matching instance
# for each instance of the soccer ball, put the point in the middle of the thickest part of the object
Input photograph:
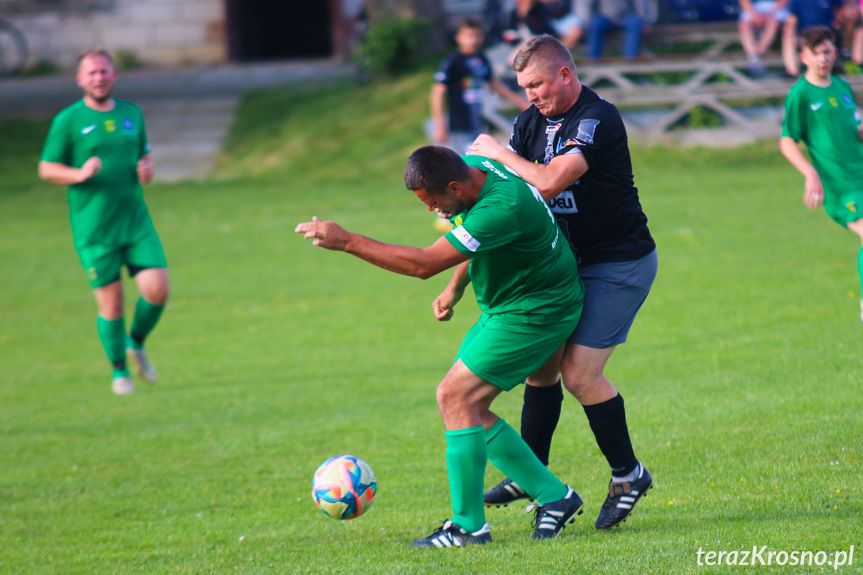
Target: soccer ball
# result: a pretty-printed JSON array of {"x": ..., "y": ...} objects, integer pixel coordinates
[
  {"x": 344, "y": 487},
  {"x": 442, "y": 225}
]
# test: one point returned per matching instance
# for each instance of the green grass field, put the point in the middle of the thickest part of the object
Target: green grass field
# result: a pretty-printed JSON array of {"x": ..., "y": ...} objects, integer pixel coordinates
[{"x": 741, "y": 375}]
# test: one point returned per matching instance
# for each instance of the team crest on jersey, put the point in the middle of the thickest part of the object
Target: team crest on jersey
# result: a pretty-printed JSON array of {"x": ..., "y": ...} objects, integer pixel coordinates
[
  {"x": 110, "y": 126},
  {"x": 128, "y": 125},
  {"x": 848, "y": 102},
  {"x": 833, "y": 102}
]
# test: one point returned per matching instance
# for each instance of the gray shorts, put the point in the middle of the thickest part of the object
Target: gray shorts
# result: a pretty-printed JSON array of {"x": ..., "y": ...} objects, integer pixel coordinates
[{"x": 614, "y": 294}]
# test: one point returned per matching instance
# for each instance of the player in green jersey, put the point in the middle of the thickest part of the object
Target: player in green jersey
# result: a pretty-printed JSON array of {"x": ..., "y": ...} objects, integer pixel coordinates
[
  {"x": 98, "y": 148},
  {"x": 820, "y": 112},
  {"x": 530, "y": 295}
]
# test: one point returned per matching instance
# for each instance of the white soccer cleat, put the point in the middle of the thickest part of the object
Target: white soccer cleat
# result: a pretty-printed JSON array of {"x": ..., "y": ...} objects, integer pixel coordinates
[
  {"x": 143, "y": 367},
  {"x": 122, "y": 385}
]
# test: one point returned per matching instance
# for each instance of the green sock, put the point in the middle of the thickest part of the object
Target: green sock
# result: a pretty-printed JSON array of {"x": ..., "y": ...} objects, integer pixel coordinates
[
  {"x": 860, "y": 270},
  {"x": 146, "y": 317},
  {"x": 508, "y": 452},
  {"x": 112, "y": 334},
  {"x": 465, "y": 461}
]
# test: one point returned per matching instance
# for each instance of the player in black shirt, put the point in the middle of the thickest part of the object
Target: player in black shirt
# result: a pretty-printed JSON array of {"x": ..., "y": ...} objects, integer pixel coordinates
[
  {"x": 460, "y": 88},
  {"x": 572, "y": 146}
]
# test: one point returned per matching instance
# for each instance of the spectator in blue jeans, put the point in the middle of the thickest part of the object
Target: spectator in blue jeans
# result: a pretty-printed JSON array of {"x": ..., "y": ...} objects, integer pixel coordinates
[{"x": 614, "y": 14}]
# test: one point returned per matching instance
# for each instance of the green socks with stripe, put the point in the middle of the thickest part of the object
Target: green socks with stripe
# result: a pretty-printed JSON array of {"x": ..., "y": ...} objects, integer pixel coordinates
[
  {"x": 466, "y": 460},
  {"x": 467, "y": 451},
  {"x": 508, "y": 452},
  {"x": 112, "y": 334},
  {"x": 146, "y": 317}
]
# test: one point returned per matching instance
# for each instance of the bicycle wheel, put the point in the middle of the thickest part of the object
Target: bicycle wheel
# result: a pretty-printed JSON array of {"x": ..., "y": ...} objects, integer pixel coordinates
[{"x": 13, "y": 50}]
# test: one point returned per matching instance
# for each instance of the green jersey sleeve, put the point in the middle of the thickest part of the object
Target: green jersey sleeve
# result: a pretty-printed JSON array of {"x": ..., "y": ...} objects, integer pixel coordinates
[
  {"x": 58, "y": 144},
  {"x": 489, "y": 226},
  {"x": 794, "y": 123}
]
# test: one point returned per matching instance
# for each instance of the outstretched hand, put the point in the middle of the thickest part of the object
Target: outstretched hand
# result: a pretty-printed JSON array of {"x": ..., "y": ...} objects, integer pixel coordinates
[{"x": 326, "y": 234}]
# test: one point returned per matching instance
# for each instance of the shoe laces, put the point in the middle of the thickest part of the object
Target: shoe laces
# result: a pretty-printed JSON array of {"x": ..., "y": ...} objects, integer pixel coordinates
[
  {"x": 445, "y": 524},
  {"x": 537, "y": 510}
]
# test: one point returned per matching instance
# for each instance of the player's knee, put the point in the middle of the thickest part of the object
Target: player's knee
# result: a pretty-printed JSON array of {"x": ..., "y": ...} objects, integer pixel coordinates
[
  {"x": 448, "y": 395},
  {"x": 159, "y": 296},
  {"x": 157, "y": 293},
  {"x": 575, "y": 385},
  {"x": 579, "y": 382}
]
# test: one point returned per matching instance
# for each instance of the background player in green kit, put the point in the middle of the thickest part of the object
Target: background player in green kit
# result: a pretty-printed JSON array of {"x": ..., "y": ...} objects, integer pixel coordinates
[
  {"x": 820, "y": 112},
  {"x": 527, "y": 286},
  {"x": 98, "y": 147}
]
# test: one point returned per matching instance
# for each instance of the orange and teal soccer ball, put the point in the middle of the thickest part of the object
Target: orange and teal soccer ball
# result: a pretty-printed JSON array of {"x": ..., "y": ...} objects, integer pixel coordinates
[{"x": 344, "y": 487}]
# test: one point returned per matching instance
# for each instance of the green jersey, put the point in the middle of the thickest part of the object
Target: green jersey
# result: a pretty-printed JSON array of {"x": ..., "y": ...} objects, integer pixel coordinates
[
  {"x": 826, "y": 120},
  {"x": 520, "y": 264},
  {"x": 107, "y": 211}
]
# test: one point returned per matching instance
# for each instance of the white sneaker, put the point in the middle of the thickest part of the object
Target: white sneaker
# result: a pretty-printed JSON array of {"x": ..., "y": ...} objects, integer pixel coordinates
[
  {"x": 143, "y": 367},
  {"x": 122, "y": 385}
]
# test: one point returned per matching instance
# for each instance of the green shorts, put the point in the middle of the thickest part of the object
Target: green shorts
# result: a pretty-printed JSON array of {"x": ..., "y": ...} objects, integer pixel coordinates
[
  {"x": 846, "y": 208},
  {"x": 103, "y": 267},
  {"x": 505, "y": 353}
]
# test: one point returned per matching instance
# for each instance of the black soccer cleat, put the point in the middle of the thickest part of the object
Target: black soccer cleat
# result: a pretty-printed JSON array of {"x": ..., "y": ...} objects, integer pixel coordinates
[
  {"x": 551, "y": 518},
  {"x": 504, "y": 493},
  {"x": 451, "y": 535},
  {"x": 622, "y": 498}
]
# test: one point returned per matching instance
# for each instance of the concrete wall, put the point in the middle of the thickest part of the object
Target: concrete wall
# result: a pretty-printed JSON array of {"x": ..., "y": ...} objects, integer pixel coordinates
[{"x": 157, "y": 32}]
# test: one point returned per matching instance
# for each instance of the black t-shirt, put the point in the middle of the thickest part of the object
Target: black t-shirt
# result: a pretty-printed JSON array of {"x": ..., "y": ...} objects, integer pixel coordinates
[
  {"x": 599, "y": 213},
  {"x": 465, "y": 78}
]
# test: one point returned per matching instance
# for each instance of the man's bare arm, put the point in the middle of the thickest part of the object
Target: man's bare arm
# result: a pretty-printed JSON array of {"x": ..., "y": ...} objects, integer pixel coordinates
[
  {"x": 444, "y": 304},
  {"x": 549, "y": 179},
  {"x": 512, "y": 97},
  {"x": 58, "y": 173},
  {"x": 438, "y": 108},
  {"x": 422, "y": 263},
  {"x": 813, "y": 189}
]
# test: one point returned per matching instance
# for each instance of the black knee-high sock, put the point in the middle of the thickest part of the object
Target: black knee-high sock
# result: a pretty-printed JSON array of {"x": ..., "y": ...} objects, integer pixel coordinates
[
  {"x": 539, "y": 417},
  {"x": 608, "y": 422}
]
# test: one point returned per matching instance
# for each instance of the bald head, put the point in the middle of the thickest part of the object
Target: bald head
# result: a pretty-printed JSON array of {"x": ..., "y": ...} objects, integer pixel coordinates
[{"x": 545, "y": 52}]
